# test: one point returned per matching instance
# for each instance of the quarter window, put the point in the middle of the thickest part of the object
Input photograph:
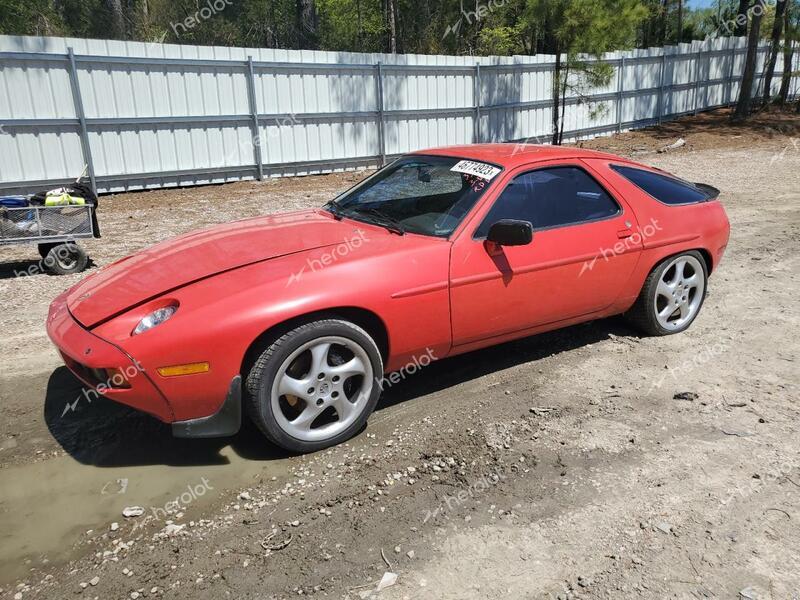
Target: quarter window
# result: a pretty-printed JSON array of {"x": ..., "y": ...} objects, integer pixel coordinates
[
  {"x": 663, "y": 188},
  {"x": 551, "y": 198}
]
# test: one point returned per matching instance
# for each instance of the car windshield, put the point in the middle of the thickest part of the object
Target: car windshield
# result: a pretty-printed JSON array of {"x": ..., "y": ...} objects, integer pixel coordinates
[{"x": 429, "y": 195}]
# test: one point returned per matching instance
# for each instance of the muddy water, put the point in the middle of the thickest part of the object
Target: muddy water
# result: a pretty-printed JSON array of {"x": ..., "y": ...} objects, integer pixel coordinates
[{"x": 114, "y": 458}]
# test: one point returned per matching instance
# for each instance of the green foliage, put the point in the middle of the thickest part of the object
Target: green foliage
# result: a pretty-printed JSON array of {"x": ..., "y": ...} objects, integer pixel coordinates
[
  {"x": 30, "y": 17},
  {"x": 503, "y": 27},
  {"x": 351, "y": 25},
  {"x": 501, "y": 41}
]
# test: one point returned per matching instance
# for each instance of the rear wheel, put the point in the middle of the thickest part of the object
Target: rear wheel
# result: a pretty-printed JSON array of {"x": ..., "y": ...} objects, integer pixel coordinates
[
  {"x": 65, "y": 259},
  {"x": 672, "y": 295},
  {"x": 315, "y": 386}
]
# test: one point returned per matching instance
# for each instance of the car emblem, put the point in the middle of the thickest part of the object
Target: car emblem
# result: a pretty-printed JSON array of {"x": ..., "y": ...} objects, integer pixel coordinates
[{"x": 87, "y": 351}]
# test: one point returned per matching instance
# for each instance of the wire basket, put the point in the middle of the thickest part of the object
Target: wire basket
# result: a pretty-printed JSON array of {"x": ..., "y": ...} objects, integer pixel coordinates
[{"x": 45, "y": 223}]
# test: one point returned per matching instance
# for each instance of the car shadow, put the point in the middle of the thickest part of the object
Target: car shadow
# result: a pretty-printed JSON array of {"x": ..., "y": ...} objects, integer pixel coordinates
[
  {"x": 448, "y": 372},
  {"x": 104, "y": 433},
  {"x": 107, "y": 434}
]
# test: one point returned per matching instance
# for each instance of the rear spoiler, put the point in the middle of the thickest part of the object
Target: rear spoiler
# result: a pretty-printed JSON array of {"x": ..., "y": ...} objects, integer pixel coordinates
[{"x": 713, "y": 193}]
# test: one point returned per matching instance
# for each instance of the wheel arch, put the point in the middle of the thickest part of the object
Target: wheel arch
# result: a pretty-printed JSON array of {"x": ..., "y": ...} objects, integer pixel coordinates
[
  {"x": 364, "y": 318},
  {"x": 704, "y": 253},
  {"x": 707, "y": 258}
]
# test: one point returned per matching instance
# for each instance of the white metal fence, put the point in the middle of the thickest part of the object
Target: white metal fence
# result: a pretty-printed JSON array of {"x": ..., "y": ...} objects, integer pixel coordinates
[{"x": 154, "y": 115}]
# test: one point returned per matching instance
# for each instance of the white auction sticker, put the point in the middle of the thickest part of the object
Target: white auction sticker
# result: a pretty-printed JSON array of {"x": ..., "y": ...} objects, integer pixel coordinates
[{"x": 479, "y": 169}]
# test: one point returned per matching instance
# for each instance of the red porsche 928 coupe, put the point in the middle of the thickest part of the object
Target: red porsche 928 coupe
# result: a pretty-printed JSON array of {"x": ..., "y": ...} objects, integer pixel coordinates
[{"x": 298, "y": 316}]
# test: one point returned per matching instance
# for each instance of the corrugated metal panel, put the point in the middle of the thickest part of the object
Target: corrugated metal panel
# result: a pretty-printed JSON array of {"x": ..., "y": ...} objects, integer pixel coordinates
[{"x": 165, "y": 115}]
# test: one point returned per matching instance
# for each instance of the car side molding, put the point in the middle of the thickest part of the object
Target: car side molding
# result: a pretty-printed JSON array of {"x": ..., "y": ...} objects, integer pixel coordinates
[{"x": 225, "y": 422}]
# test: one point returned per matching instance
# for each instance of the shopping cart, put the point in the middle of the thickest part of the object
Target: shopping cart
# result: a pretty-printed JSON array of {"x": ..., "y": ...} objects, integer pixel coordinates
[{"x": 55, "y": 229}]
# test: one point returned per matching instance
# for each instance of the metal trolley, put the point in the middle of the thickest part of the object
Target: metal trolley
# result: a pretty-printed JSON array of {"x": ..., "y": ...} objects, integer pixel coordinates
[{"x": 55, "y": 229}]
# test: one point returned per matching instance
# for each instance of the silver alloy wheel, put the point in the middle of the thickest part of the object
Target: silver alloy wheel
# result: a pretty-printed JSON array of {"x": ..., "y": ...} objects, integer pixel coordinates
[
  {"x": 345, "y": 388},
  {"x": 679, "y": 292}
]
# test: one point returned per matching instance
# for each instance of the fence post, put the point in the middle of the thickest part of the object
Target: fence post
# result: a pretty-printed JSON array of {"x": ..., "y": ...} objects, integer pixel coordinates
[
  {"x": 84, "y": 133},
  {"x": 251, "y": 94},
  {"x": 476, "y": 130},
  {"x": 620, "y": 91},
  {"x": 730, "y": 75},
  {"x": 379, "y": 94},
  {"x": 696, "y": 81},
  {"x": 661, "y": 84}
]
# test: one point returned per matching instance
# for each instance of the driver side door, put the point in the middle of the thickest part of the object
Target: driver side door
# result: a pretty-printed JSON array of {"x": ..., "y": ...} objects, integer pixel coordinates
[{"x": 582, "y": 252}]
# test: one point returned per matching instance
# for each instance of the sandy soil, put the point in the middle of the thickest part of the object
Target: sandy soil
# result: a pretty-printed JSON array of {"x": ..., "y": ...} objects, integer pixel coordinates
[{"x": 585, "y": 463}]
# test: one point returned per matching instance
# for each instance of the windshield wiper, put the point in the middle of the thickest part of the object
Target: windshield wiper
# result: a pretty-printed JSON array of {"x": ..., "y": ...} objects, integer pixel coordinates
[
  {"x": 382, "y": 219},
  {"x": 335, "y": 209}
]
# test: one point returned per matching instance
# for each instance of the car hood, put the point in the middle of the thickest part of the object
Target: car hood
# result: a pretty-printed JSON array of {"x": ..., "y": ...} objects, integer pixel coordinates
[{"x": 194, "y": 256}]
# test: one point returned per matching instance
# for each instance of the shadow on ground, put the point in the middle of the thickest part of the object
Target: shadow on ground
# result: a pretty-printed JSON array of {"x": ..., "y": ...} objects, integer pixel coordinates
[
  {"x": 30, "y": 268},
  {"x": 106, "y": 434}
]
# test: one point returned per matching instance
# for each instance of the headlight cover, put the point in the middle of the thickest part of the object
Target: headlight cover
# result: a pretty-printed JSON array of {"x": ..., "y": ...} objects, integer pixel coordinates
[{"x": 155, "y": 318}]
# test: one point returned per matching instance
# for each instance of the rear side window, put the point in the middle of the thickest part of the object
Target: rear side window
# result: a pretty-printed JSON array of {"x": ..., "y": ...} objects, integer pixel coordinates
[
  {"x": 551, "y": 198},
  {"x": 663, "y": 188}
]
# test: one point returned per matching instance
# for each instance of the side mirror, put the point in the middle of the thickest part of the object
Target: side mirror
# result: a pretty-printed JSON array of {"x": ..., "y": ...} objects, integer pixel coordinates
[{"x": 510, "y": 232}]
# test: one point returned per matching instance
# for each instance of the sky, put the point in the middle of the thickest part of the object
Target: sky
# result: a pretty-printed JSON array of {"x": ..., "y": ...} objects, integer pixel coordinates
[{"x": 701, "y": 3}]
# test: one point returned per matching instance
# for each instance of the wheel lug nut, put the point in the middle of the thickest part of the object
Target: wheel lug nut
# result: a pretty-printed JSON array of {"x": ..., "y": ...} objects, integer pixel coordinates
[
  {"x": 335, "y": 394},
  {"x": 335, "y": 378},
  {"x": 310, "y": 390},
  {"x": 321, "y": 376},
  {"x": 320, "y": 401}
]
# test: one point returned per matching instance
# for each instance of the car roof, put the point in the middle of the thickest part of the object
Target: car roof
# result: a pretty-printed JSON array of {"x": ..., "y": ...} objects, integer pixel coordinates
[{"x": 513, "y": 154}]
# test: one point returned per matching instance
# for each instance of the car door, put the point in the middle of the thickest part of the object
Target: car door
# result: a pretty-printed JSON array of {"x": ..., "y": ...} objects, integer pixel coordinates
[{"x": 584, "y": 249}]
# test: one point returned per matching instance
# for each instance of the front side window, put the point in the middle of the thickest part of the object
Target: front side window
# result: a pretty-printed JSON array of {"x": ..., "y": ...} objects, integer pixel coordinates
[
  {"x": 669, "y": 190},
  {"x": 552, "y": 197},
  {"x": 429, "y": 195}
]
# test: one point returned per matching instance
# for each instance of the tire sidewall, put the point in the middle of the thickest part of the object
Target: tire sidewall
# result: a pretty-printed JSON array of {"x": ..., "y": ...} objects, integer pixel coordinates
[
  {"x": 51, "y": 260},
  {"x": 292, "y": 341},
  {"x": 659, "y": 272}
]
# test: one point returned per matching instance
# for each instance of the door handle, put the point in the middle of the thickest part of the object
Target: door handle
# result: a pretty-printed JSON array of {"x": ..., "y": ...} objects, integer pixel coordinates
[{"x": 624, "y": 233}]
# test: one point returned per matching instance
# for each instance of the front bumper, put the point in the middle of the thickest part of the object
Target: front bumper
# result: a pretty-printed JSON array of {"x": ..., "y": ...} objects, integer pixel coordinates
[{"x": 85, "y": 353}]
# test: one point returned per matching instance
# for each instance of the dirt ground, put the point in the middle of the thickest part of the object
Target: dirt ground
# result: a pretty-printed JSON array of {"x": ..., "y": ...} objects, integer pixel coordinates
[{"x": 584, "y": 463}]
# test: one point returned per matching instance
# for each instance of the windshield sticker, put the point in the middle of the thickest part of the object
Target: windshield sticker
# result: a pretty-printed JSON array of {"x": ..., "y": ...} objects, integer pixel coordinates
[
  {"x": 479, "y": 169},
  {"x": 475, "y": 183}
]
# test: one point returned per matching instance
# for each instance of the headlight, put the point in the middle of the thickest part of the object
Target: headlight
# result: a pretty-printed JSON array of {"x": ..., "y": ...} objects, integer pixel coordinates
[{"x": 157, "y": 317}]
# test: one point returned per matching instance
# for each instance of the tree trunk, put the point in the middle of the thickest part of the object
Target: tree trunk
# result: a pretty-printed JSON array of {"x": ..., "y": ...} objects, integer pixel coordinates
[
  {"x": 680, "y": 21},
  {"x": 788, "y": 58},
  {"x": 391, "y": 19},
  {"x": 563, "y": 103},
  {"x": 556, "y": 94},
  {"x": 741, "y": 18},
  {"x": 360, "y": 27},
  {"x": 746, "y": 90},
  {"x": 117, "y": 19},
  {"x": 306, "y": 18},
  {"x": 777, "y": 27}
]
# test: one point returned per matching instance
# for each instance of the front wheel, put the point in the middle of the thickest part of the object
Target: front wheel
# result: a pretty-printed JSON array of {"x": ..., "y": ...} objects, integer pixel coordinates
[
  {"x": 315, "y": 386},
  {"x": 672, "y": 295}
]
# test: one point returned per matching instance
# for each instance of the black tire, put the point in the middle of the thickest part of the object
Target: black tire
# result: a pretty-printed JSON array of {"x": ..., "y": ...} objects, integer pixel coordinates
[
  {"x": 259, "y": 381},
  {"x": 642, "y": 314},
  {"x": 44, "y": 249},
  {"x": 65, "y": 259}
]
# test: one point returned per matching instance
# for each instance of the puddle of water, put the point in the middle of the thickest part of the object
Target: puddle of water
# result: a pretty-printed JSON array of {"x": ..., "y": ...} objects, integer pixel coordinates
[
  {"x": 116, "y": 457},
  {"x": 45, "y": 508}
]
